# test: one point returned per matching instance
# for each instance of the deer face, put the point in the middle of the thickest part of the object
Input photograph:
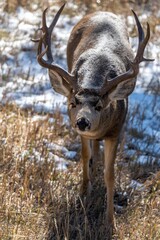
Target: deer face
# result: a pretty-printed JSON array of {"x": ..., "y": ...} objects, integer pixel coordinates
[{"x": 85, "y": 111}]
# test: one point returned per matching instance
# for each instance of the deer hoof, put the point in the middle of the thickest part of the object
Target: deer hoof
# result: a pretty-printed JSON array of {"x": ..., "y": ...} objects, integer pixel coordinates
[{"x": 109, "y": 228}]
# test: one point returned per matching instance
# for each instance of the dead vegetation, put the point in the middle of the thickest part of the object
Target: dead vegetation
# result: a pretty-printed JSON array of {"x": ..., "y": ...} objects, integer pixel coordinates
[{"x": 37, "y": 201}]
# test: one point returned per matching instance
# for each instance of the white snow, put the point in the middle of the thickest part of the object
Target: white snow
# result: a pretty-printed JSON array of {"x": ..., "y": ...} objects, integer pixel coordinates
[
  {"x": 136, "y": 185},
  {"x": 59, "y": 148}
]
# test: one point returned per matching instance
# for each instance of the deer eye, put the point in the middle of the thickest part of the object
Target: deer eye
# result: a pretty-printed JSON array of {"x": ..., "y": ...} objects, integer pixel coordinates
[
  {"x": 99, "y": 106},
  {"x": 112, "y": 74},
  {"x": 72, "y": 105},
  {"x": 77, "y": 101}
]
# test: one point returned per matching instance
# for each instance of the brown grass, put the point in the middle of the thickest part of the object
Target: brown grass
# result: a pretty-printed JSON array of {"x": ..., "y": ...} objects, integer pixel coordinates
[{"x": 39, "y": 202}]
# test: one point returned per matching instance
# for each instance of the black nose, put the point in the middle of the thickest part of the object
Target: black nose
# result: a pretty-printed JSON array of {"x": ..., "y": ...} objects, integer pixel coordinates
[{"x": 83, "y": 124}]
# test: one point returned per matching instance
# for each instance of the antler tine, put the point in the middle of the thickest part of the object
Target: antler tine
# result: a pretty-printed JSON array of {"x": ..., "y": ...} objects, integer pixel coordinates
[
  {"x": 134, "y": 65},
  {"x": 43, "y": 28},
  {"x": 44, "y": 24},
  {"x": 53, "y": 23},
  {"x": 139, "y": 26},
  {"x": 48, "y": 31},
  {"x": 56, "y": 68},
  {"x": 46, "y": 40},
  {"x": 143, "y": 40},
  {"x": 56, "y": 18},
  {"x": 35, "y": 40},
  {"x": 41, "y": 53}
]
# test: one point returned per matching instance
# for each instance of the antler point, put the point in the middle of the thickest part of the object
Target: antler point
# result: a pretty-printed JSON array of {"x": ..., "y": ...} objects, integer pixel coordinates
[{"x": 35, "y": 40}]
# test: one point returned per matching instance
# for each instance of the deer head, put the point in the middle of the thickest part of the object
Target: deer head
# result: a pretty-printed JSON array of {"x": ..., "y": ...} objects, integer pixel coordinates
[{"x": 86, "y": 104}]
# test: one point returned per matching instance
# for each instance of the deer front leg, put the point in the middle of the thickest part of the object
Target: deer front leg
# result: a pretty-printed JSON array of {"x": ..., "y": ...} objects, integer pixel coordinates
[
  {"x": 95, "y": 157},
  {"x": 110, "y": 148},
  {"x": 86, "y": 156}
]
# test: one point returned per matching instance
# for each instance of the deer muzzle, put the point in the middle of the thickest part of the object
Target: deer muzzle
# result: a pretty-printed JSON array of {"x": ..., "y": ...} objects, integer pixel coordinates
[{"x": 83, "y": 124}]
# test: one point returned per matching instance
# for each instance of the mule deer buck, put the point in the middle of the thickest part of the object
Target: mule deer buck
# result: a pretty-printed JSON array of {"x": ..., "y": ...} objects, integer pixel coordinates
[{"x": 102, "y": 72}]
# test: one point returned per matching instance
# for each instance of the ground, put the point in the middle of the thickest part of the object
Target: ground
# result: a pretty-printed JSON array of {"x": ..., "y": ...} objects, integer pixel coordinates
[{"x": 40, "y": 172}]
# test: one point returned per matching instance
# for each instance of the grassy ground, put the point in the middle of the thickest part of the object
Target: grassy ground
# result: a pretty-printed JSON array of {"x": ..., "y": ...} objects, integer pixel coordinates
[{"x": 39, "y": 202}]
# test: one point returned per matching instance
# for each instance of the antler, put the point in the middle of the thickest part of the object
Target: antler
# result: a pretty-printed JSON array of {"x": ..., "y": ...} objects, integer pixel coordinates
[
  {"x": 134, "y": 65},
  {"x": 46, "y": 40}
]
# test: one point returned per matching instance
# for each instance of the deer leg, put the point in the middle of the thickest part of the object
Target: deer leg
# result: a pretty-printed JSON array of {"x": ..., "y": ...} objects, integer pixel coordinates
[
  {"x": 110, "y": 148},
  {"x": 95, "y": 157},
  {"x": 86, "y": 155}
]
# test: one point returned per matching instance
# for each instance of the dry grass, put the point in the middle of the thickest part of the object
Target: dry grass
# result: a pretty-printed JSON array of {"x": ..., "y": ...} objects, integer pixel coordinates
[
  {"x": 27, "y": 183},
  {"x": 39, "y": 202},
  {"x": 142, "y": 217}
]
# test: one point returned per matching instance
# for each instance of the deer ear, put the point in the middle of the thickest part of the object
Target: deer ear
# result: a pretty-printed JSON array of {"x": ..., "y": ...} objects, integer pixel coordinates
[
  {"x": 59, "y": 84},
  {"x": 123, "y": 90}
]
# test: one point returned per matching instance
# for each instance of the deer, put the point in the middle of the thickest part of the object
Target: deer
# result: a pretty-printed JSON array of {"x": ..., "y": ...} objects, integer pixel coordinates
[{"x": 102, "y": 73}]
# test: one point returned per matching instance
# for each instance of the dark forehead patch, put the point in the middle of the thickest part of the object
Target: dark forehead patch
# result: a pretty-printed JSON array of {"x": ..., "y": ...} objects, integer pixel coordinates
[
  {"x": 87, "y": 95},
  {"x": 92, "y": 69},
  {"x": 86, "y": 91}
]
